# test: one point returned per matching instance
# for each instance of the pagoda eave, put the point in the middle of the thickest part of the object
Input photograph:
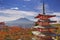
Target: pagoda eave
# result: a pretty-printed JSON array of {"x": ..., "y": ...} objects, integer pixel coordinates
[{"x": 42, "y": 15}]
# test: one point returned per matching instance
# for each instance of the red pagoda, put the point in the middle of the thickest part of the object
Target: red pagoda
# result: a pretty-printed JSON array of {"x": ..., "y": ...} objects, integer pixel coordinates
[{"x": 43, "y": 28}]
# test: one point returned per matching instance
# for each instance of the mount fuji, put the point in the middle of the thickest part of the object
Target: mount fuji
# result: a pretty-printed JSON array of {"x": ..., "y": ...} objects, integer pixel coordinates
[{"x": 22, "y": 22}]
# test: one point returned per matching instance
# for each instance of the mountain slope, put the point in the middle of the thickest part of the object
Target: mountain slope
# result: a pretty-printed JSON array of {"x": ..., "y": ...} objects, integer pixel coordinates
[{"x": 23, "y": 22}]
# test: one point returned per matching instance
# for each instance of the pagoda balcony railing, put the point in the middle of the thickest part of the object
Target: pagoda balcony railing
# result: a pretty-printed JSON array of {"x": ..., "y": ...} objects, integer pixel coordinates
[
  {"x": 45, "y": 30},
  {"x": 49, "y": 21}
]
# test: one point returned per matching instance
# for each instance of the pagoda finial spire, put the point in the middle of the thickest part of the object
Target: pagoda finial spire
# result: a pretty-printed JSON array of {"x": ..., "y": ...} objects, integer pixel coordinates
[{"x": 43, "y": 7}]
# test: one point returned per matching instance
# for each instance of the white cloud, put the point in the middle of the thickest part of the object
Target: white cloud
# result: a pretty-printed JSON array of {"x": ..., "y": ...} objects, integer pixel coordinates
[
  {"x": 18, "y": 12},
  {"x": 27, "y": 0},
  {"x": 16, "y": 8},
  {"x": 2, "y": 18},
  {"x": 56, "y": 13},
  {"x": 15, "y": 14}
]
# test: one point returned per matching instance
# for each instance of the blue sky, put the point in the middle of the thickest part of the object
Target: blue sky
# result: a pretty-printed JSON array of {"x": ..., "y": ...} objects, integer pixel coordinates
[
  {"x": 15, "y": 9},
  {"x": 30, "y": 5}
]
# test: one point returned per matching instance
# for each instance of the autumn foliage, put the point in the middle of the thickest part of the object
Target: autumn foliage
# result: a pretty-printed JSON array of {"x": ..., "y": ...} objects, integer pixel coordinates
[{"x": 14, "y": 32}]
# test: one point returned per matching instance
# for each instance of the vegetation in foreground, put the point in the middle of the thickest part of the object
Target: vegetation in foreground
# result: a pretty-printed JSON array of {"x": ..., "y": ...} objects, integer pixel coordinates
[{"x": 17, "y": 33}]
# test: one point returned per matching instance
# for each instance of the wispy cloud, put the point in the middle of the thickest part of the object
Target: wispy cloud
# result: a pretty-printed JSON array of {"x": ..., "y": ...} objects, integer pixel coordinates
[
  {"x": 3, "y": 18},
  {"x": 27, "y": 0},
  {"x": 56, "y": 13},
  {"x": 15, "y": 8},
  {"x": 15, "y": 14},
  {"x": 18, "y": 12}
]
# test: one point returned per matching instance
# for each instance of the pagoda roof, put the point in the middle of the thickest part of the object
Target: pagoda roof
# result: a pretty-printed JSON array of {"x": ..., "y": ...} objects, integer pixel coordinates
[
  {"x": 39, "y": 15},
  {"x": 52, "y": 27},
  {"x": 46, "y": 15},
  {"x": 37, "y": 33},
  {"x": 51, "y": 34}
]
